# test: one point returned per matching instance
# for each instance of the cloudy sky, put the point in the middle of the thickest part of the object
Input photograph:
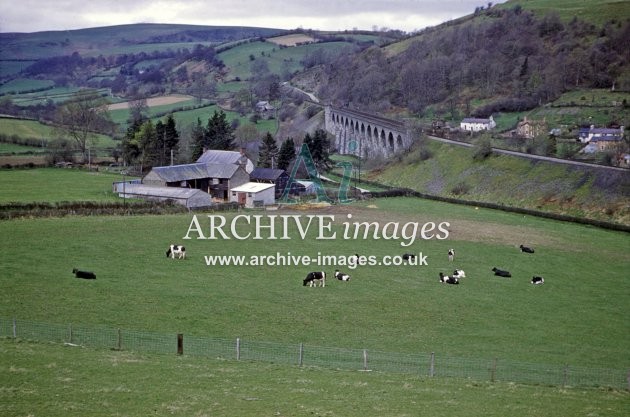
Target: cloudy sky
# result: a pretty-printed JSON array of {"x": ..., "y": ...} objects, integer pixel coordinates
[{"x": 406, "y": 15}]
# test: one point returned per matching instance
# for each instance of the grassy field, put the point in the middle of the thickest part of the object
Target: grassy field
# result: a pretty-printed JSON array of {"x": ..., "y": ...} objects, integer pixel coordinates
[
  {"x": 60, "y": 381},
  {"x": 594, "y": 11}
]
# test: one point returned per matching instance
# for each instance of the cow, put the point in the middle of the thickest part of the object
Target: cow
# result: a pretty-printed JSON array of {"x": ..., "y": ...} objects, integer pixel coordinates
[
  {"x": 501, "y": 273},
  {"x": 459, "y": 273},
  {"x": 83, "y": 274},
  {"x": 314, "y": 278},
  {"x": 178, "y": 250},
  {"x": 451, "y": 255},
  {"x": 408, "y": 256},
  {"x": 538, "y": 280},
  {"x": 526, "y": 249},
  {"x": 448, "y": 280},
  {"x": 341, "y": 276}
]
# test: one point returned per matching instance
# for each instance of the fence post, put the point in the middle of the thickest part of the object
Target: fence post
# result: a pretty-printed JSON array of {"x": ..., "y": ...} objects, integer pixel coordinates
[
  {"x": 365, "y": 360},
  {"x": 119, "y": 339},
  {"x": 238, "y": 348},
  {"x": 14, "y": 328},
  {"x": 301, "y": 354},
  {"x": 180, "y": 343},
  {"x": 565, "y": 375},
  {"x": 432, "y": 365},
  {"x": 629, "y": 380},
  {"x": 70, "y": 333},
  {"x": 493, "y": 370}
]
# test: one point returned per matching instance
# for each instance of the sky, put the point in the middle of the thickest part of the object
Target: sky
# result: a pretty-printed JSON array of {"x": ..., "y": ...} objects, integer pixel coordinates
[{"x": 405, "y": 15}]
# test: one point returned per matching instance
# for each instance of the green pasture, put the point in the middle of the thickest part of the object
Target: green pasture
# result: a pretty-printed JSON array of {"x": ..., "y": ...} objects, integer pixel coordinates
[
  {"x": 576, "y": 318},
  {"x": 594, "y": 11},
  {"x": 60, "y": 381},
  {"x": 10, "y": 68},
  {"x": 56, "y": 185},
  {"x": 19, "y": 85}
]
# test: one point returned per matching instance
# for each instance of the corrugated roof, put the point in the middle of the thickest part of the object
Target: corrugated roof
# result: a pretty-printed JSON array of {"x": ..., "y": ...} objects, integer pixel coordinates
[
  {"x": 162, "y": 192},
  {"x": 252, "y": 187},
  {"x": 214, "y": 156},
  {"x": 266, "y": 174},
  {"x": 475, "y": 120},
  {"x": 181, "y": 172}
]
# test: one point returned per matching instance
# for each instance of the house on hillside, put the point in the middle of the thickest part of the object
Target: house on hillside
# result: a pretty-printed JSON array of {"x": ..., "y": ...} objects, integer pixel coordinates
[
  {"x": 586, "y": 134},
  {"x": 472, "y": 124},
  {"x": 265, "y": 109},
  {"x": 213, "y": 156},
  {"x": 602, "y": 143},
  {"x": 216, "y": 179},
  {"x": 278, "y": 177},
  {"x": 253, "y": 194},
  {"x": 529, "y": 129}
]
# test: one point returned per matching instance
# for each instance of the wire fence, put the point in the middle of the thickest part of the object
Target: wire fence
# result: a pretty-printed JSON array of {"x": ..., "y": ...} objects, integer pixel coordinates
[{"x": 425, "y": 364}]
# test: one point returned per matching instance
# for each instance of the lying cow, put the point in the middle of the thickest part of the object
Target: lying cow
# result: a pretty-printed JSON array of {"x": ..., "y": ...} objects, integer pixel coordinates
[
  {"x": 178, "y": 250},
  {"x": 341, "y": 276},
  {"x": 459, "y": 273},
  {"x": 314, "y": 278},
  {"x": 501, "y": 273},
  {"x": 83, "y": 274},
  {"x": 444, "y": 279},
  {"x": 526, "y": 249},
  {"x": 538, "y": 280}
]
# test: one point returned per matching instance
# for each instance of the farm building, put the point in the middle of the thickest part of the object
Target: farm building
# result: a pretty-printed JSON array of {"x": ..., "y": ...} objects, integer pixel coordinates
[
  {"x": 187, "y": 197},
  {"x": 254, "y": 194},
  {"x": 213, "y": 156},
  {"x": 216, "y": 179},
  {"x": 476, "y": 125},
  {"x": 278, "y": 177}
]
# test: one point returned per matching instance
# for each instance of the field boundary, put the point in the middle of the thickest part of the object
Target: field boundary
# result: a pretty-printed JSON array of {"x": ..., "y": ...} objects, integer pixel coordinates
[{"x": 300, "y": 354}]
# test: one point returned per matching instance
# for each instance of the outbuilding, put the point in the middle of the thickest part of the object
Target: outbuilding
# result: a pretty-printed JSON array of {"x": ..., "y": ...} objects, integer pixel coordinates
[
  {"x": 187, "y": 197},
  {"x": 253, "y": 194}
]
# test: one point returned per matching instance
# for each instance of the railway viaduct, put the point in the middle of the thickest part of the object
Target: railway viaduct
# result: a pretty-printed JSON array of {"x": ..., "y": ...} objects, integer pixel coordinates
[{"x": 366, "y": 135}]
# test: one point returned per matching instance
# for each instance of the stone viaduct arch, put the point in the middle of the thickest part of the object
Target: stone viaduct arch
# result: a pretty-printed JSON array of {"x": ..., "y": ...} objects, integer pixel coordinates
[{"x": 366, "y": 135}]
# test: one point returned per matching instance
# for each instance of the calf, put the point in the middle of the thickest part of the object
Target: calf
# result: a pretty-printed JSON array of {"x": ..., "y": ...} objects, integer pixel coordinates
[
  {"x": 313, "y": 278},
  {"x": 451, "y": 254},
  {"x": 83, "y": 274},
  {"x": 178, "y": 250},
  {"x": 448, "y": 280},
  {"x": 538, "y": 280},
  {"x": 341, "y": 276},
  {"x": 501, "y": 273},
  {"x": 526, "y": 249}
]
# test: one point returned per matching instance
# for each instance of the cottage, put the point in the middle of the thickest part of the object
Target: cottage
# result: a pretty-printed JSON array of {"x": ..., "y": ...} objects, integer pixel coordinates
[
  {"x": 278, "y": 177},
  {"x": 530, "y": 129},
  {"x": 475, "y": 125},
  {"x": 253, "y": 194},
  {"x": 586, "y": 134}
]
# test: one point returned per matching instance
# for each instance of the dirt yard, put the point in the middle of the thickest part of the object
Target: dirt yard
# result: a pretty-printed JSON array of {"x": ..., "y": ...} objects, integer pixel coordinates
[{"x": 154, "y": 101}]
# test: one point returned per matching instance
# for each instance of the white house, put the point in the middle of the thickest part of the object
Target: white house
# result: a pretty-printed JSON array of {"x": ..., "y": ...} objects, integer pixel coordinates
[
  {"x": 254, "y": 194},
  {"x": 472, "y": 124},
  {"x": 611, "y": 134}
]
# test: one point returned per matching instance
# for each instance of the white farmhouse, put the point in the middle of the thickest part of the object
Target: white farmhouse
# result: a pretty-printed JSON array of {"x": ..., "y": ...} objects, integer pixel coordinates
[{"x": 472, "y": 124}]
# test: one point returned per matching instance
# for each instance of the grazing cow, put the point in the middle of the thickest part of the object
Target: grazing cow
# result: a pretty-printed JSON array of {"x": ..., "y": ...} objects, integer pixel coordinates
[
  {"x": 451, "y": 254},
  {"x": 313, "y": 278},
  {"x": 83, "y": 274},
  {"x": 459, "y": 273},
  {"x": 448, "y": 280},
  {"x": 408, "y": 256},
  {"x": 538, "y": 280},
  {"x": 341, "y": 276},
  {"x": 501, "y": 273},
  {"x": 178, "y": 250},
  {"x": 526, "y": 249}
]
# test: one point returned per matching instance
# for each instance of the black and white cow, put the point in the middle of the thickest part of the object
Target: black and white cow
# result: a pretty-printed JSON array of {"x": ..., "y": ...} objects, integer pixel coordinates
[
  {"x": 176, "y": 250},
  {"x": 538, "y": 280},
  {"x": 314, "y": 278},
  {"x": 408, "y": 256},
  {"x": 444, "y": 279},
  {"x": 526, "y": 249},
  {"x": 501, "y": 273},
  {"x": 459, "y": 273},
  {"x": 451, "y": 255},
  {"x": 83, "y": 274},
  {"x": 341, "y": 276}
]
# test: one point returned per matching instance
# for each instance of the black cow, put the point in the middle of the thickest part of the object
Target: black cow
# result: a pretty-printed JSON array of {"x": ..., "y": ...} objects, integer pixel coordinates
[
  {"x": 501, "y": 273},
  {"x": 408, "y": 256},
  {"x": 83, "y": 274},
  {"x": 526, "y": 249},
  {"x": 313, "y": 278}
]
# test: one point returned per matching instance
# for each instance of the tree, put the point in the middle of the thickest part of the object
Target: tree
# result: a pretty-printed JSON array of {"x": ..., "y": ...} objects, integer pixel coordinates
[
  {"x": 286, "y": 154},
  {"x": 246, "y": 133},
  {"x": 319, "y": 146},
  {"x": 197, "y": 137},
  {"x": 268, "y": 152},
  {"x": 219, "y": 134},
  {"x": 171, "y": 136},
  {"x": 81, "y": 117},
  {"x": 148, "y": 143}
]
